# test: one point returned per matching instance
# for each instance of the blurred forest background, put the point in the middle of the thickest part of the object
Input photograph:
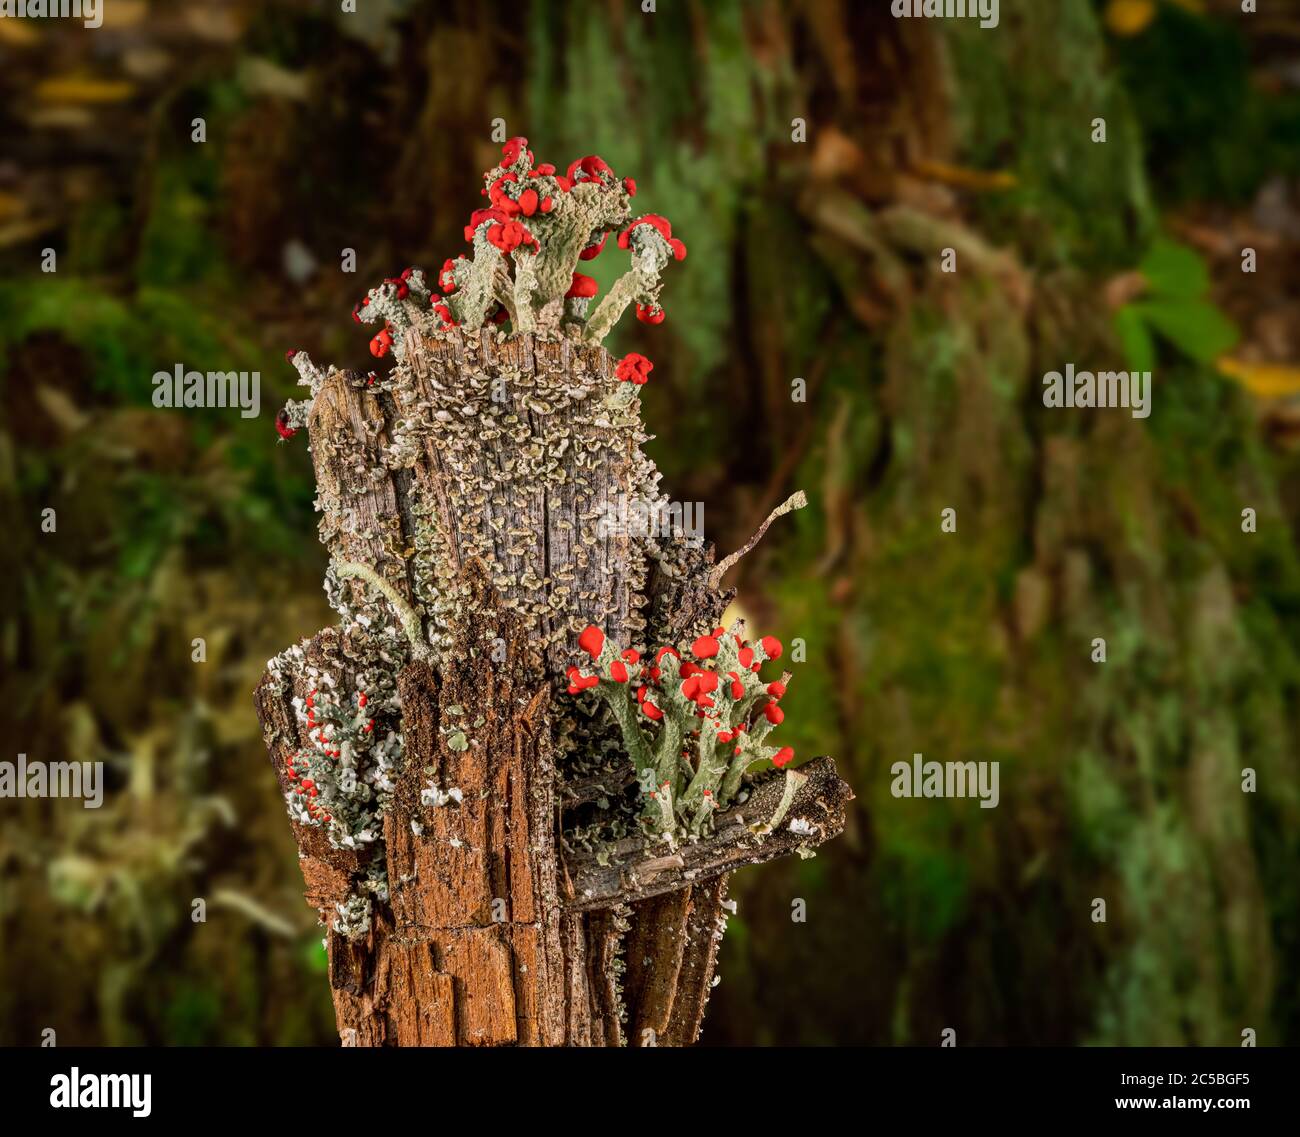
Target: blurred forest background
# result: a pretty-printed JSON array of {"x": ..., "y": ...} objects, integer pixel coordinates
[{"x": 816, "y": 259}]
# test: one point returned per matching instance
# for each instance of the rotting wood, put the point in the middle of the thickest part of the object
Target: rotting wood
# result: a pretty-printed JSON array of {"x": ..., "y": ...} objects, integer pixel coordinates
[{"x": 634, "y": 870}]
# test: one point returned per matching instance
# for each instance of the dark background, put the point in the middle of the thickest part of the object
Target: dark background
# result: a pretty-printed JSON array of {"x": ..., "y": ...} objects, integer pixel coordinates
[{"x": 818, "y": 260}]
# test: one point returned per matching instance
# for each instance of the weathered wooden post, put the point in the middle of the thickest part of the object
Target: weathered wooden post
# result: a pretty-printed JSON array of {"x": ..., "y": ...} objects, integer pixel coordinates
[{"x": 500, "y": 858}]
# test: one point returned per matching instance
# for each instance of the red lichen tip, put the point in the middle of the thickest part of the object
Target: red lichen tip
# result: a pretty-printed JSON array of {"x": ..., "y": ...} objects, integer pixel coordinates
[
  {"x": 510, "y": 235},
  {"x": 579, "y": 682},
  {"x": 706, "y": 647},
  {"x": 772, "y": 646},
  {"x": 529, "y": 200},
  {"x": 783, "y": 757},
  {"x": 513, "y": 148},
  {"x": 661, "y": 224},
  {"x": 592, "y": 166},
  {"x": 592, "y": 640},
  {"x": 633, "y": 368},
  {"x": 582, "y": 287},
  {"x": 380, "y": 345},
  {"x": 593, "y": 250},
  {"x": 447, "y": 277},
  {"x": 479, "y": 216}
]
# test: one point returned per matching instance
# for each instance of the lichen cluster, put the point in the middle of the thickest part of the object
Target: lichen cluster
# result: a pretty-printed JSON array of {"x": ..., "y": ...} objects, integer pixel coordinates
[
  {"x": 708, "y": 714},
  {"x": 526, "y": 246},
  {"x": 340, "y": 782}
]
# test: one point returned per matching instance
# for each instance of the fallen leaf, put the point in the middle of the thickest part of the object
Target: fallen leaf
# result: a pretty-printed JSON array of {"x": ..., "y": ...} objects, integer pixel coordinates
[
  {"x": 84, "y": 89},
  {"x": 964, "y": 178},
  {"x": 1264, "y": 380}
]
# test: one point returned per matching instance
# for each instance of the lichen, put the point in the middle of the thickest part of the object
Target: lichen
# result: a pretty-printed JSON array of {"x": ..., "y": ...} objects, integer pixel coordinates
[{"x": 710, "y": 716}]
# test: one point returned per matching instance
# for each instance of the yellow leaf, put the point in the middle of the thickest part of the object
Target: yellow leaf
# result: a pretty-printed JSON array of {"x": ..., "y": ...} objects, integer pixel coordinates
[
  {"x": 965, "y": 178},
  {"x": 1130, "y": 17},
  {"x": 82, "y": 89},
  {"x": 1264, "y": 380}
]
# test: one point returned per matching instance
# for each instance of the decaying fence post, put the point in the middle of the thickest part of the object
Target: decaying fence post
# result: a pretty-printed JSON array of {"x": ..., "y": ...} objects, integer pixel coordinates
[{"x": 518, "y": 831}]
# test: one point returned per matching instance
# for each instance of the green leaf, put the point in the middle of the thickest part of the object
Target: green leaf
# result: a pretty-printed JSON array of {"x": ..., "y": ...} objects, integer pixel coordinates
[
  {"x": 1135, "y": 340},
  {"x": 1196, "y": 327},
  {"x": 1174, "y": 270}
]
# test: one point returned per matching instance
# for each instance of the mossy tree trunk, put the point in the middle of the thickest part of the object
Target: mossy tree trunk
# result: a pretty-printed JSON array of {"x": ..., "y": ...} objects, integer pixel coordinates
[{"x": 1121, "y": 781}]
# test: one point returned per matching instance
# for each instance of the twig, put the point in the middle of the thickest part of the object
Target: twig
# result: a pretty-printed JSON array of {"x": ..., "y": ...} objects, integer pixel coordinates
[
  {"x": 795, "y": 501},
  {"x": 760, "y": 829}
]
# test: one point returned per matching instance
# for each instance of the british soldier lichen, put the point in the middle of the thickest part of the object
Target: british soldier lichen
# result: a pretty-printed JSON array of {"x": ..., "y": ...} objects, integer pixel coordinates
[
  {"x": 692, "y": 727},
  {"x": 526, "y": 246},
  {"x": 343, "y": 778}
]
